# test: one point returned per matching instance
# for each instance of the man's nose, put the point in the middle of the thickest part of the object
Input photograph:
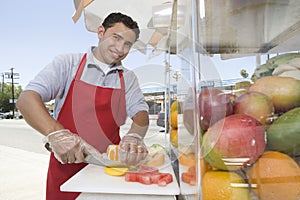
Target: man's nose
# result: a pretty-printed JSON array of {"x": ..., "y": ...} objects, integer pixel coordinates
[{"x": 120, "y": 46}]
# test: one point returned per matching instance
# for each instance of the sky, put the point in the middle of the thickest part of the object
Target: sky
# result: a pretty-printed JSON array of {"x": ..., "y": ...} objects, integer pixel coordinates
[{"x": 34, "y": 32}]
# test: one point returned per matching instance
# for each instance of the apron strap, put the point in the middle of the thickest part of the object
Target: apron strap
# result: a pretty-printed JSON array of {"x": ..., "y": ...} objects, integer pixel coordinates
[
  {"x": 81, "y": 67},
  {"x": 122, "y": 80}
]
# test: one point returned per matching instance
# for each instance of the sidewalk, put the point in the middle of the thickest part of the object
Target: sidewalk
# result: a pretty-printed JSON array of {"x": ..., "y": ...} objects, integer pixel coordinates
[{"x": 22, "y": 174}]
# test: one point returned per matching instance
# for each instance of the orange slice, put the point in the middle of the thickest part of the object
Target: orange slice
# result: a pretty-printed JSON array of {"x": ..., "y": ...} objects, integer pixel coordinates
[
  {"x": 115, "y": 171},
  {"x": 187, "y": 159}
]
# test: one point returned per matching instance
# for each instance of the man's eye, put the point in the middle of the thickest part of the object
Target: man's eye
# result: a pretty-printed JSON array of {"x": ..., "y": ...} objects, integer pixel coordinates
[
  {"x": 128, "y": 44},
  {"x": 116, "y": 37}
]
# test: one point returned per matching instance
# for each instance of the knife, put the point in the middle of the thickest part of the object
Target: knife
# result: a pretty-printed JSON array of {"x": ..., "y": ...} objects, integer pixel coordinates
[
  {"x": 104, "y": 162},
  {"x": 101, "y": 161}
]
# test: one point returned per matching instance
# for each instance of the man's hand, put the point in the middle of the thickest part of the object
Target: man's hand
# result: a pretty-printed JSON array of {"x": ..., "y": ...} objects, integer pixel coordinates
[
  {"x": 132, "y": 149},
  {"x": 69, "y": 147}
]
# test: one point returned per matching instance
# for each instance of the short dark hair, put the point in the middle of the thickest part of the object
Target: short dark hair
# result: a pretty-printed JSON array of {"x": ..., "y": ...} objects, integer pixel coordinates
[{"x": 118, "y": 17}]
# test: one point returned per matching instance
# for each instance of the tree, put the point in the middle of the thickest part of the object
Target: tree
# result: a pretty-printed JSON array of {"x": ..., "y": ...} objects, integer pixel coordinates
[{"x": 6, "y": 95}]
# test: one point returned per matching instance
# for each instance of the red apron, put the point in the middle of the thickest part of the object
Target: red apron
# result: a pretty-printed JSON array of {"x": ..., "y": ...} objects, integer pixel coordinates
[{"x": 93, "y": 112}]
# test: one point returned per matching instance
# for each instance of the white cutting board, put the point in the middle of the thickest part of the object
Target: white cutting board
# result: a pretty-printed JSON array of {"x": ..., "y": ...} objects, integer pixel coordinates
[{"x": 93, "y": 179}]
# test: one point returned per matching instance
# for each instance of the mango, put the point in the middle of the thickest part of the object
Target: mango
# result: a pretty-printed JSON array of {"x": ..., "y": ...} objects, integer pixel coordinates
[
  {"x": 283, "y": 91},
  {"x": 255, "y": 104},
  {"x": 234, "y": 142},
  {"x": 284, "y": 133}
]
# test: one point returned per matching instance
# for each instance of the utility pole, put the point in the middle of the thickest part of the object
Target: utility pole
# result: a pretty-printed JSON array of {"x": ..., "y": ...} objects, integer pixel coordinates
[
  {"x": 12, "y": 90},
  {"x": 12, "y": 75},
  {"x": 2, "y": 84}
]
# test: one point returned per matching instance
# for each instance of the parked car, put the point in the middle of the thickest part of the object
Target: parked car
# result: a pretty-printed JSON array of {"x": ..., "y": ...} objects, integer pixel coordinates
[
  {"x": 8, "y": 115},
  {"x": 161, "y": 119},
  {"x": 18, "y": 115}
]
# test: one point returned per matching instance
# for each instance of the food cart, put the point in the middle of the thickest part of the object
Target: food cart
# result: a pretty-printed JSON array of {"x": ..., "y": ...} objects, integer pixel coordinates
[{"x": 224, "y": 151}]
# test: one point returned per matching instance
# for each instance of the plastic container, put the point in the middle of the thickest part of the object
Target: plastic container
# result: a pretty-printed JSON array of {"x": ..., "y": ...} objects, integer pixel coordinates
[{"x": 232, "y": 144}]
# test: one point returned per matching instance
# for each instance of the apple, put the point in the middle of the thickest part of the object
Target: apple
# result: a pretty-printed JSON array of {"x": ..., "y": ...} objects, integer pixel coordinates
[
  {"x": 214, "y": 105},
  {"x": 255, "y": 104},
  {"x": 234, "y": 142}
]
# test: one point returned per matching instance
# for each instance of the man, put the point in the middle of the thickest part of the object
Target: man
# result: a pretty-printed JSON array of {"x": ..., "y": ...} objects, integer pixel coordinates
[{"x": 93, "y": 96}]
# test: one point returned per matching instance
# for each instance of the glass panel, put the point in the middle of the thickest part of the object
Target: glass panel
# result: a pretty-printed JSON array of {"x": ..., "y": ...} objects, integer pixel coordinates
[{"x": 239, "y": 62}]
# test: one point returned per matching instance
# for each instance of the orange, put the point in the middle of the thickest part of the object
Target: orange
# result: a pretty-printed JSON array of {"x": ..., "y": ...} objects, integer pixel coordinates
[
  {"x": 174, "y": 137},
  {"x": 224, "y": 185},
  {"x": 204, "y": 167},
  {"x": 112, "y": 152},
  {"x": 176, "y": 106},
  {"x": 115, "y": 171},
  {"x": 275, "y": 176},
  {"x": 174, "y": 120}
]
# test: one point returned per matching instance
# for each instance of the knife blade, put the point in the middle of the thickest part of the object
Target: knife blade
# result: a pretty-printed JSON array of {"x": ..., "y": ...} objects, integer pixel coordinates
[{"x": 104, "y": 162}]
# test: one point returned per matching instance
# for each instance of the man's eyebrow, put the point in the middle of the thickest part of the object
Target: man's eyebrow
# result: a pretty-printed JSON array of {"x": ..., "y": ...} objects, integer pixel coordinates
[{"x": 120, "y": 36}]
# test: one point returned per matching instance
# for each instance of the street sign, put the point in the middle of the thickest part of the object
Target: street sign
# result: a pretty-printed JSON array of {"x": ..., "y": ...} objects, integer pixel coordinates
[
  {"x": 11, "y": 101},
  {"x": 11, "y": 83},
  {"x": 8, "y": 75}
]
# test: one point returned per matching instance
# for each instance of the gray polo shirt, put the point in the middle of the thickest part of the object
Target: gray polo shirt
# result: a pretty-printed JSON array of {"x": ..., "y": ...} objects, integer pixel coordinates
[{"x": 54, "y": 80}]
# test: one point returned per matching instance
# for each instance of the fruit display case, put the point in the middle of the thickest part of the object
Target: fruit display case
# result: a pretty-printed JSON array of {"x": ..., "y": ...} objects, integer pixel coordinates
[{"x": 239, "y": 140}]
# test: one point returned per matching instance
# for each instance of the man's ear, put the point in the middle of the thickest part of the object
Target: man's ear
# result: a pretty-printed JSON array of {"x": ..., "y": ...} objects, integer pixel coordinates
[{"x": 101, "y": 31}]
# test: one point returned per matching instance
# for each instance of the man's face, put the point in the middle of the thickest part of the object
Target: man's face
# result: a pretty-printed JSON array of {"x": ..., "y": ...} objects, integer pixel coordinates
[{"x": 115, "y": 43}]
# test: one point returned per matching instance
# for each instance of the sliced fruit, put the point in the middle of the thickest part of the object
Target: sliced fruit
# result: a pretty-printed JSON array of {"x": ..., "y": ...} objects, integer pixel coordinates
[
  {"x": 156, "y": 155},
  {"x": 187, "y": 159},
  {"x": 149, "y": 175},
  {"x": 156, "y": 160},
  {"x": 115, "y": 171},
  {"x": 112, "y": 152},
  {"x": 189, "y": 176}
]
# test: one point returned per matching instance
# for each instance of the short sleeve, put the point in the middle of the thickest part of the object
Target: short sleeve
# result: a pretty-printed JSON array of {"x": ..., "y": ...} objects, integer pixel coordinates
[
  {"x": 135, "y": 100},
  {"x": 52, "y": 80}
]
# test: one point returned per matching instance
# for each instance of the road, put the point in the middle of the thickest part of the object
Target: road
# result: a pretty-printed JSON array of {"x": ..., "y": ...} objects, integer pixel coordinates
[{"x": 18, "y": 134}]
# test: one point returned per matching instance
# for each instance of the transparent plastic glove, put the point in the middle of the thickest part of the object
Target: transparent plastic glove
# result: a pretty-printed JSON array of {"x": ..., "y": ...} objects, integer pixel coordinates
[
  {"x": 69, "y": 147},
  {"x": 132, "y": 149}
]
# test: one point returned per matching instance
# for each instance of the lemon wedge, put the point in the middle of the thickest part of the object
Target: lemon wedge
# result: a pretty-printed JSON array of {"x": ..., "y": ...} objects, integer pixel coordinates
[{"x": 115, "y": 171}]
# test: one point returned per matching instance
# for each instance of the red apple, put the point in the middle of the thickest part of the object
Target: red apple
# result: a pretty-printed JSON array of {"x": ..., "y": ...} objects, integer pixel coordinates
[
  {"x": 234, "y": 142},
  {"x": 255, "y": 104},
  {"x": 213, "y": 106}
]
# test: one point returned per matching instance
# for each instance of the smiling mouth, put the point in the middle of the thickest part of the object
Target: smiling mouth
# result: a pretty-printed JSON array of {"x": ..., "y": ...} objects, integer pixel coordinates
[{"x": 115, "y": 55}]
